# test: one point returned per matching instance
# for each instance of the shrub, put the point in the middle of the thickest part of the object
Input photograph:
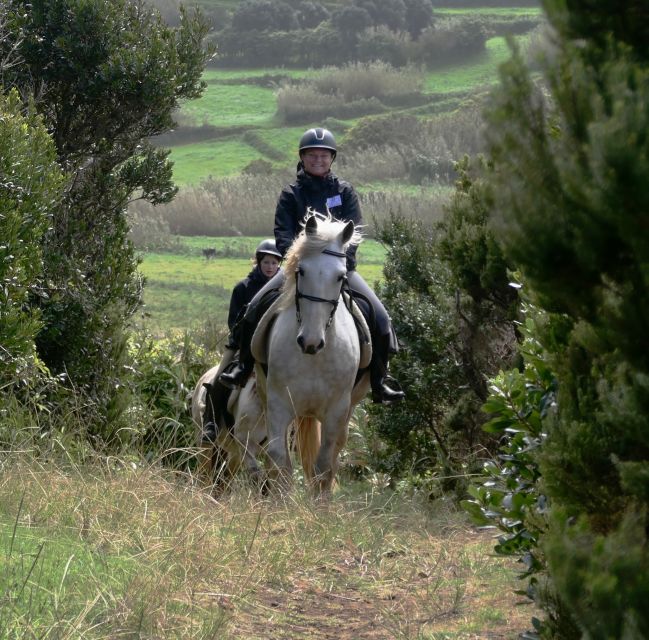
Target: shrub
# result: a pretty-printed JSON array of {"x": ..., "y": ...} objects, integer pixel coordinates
[
  {"x": 303, "y": 105},
  {"x": 30, "y": 188},
  {"x": 454, "y": 335}
]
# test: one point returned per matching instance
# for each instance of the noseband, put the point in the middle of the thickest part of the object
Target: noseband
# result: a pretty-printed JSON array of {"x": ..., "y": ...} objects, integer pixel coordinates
[{"x": 334, "y": 303}]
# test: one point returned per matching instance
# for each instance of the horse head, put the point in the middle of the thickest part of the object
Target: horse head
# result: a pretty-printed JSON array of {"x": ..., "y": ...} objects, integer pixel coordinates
[{"x": 319, "y": 269}]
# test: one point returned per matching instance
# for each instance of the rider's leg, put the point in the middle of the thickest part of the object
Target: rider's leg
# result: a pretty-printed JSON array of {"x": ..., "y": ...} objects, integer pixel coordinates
[
  {"x": 256, "y": 309},
  {"x": 382, "y": 344},
  {"x": 215, "y": 395}
]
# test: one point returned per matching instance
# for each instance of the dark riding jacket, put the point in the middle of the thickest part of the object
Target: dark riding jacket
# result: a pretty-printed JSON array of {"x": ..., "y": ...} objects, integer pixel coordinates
[
  {"x": 243, "y": 292},
  {"x": 329, "y": 192}
]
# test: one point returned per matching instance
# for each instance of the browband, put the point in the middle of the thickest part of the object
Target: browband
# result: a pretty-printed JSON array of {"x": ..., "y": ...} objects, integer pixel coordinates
[{"x": 331, "y": 252}]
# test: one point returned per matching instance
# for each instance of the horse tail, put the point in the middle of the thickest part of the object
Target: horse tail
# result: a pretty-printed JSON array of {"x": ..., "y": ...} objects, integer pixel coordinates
[{"x": 307, "y": 443}]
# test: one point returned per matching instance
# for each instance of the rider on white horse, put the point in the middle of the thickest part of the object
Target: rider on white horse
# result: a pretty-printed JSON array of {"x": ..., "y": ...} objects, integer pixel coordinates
[{"x": 318, "y": 188}]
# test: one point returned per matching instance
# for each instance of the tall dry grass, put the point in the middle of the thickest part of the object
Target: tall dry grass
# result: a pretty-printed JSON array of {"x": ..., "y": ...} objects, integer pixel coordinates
[
  {"x": 353, "y": 90},
  {"x": 117, "y": 549},
  {"x": 246, "y": 205}
]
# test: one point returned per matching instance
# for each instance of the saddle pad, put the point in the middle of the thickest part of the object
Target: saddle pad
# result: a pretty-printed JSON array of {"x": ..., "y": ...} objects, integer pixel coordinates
[
  {"x": 259, "y": 344},
  {"x": 363, "y": 335}
]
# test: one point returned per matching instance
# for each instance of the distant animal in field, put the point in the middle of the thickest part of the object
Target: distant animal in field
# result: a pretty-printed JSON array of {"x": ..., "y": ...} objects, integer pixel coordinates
[
  {"x": 210, "y": 253},
  {"x": 317, "y": 362},
  {"x": 240, "y": 429}
]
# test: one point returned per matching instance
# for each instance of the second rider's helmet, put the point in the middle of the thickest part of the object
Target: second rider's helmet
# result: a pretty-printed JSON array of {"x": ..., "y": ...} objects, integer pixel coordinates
[
  {"x": 318, "y": 138},
  {"x": 267, "y": 247}
]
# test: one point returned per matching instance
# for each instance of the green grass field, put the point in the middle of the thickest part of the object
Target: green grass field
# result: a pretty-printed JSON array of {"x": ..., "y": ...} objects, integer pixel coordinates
[
  {"x": 183, "y": 289},
  {"x": 464, "y": 77}
]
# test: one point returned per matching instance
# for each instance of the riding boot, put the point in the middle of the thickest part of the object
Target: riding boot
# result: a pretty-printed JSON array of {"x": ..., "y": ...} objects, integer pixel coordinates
[
  {"x": 213, "y": 396},
  {"x": 381, "y": 392},
  {"x": 239, "y": 375}
]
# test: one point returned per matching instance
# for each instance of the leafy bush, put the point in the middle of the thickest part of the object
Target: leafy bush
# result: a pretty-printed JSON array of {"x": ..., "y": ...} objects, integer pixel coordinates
[
  {"x": 30, "y": 187},
  {"x": 454, "y": 335},
  {"x": 167, "y": 372}
]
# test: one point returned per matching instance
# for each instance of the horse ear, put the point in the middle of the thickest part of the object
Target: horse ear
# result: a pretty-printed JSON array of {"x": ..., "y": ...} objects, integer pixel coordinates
[
  {"x": 311, "y": 226},
  {"x": 348, "y": 232}
]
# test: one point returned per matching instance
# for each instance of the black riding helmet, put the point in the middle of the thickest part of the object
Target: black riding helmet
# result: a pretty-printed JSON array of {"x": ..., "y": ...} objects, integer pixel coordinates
[
  {"x": 267, "y": 247},
  {"x": 318, "y": 138}
]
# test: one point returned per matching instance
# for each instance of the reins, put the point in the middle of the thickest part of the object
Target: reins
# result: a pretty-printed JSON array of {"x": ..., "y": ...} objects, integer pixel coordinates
[
  {"x": 348, "y": 300},
  {"x": 306, "y": 296}
]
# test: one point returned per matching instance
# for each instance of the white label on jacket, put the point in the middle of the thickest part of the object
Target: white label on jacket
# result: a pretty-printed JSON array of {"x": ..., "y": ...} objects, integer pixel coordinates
[{"x": 334, "y": 201}]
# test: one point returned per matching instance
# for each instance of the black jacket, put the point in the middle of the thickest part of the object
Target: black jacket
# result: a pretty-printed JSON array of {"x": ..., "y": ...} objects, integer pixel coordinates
[
  {"x": 319, "y": 193},
  {"x": 243, "y": 292}
]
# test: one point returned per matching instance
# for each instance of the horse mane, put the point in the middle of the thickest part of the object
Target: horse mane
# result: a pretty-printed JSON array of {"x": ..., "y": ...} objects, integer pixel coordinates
[{"x": 303, "y": 246}]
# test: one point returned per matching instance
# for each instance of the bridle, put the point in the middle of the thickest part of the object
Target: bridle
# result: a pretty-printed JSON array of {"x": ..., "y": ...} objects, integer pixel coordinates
[{"x": 344, "y": 286}]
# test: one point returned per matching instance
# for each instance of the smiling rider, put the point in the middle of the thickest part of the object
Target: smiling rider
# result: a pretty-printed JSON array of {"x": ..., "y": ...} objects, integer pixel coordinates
[{"x": 317, "y": 187}]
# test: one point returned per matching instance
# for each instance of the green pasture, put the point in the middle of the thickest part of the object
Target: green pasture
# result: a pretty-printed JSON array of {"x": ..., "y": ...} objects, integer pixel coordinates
[
  {"x": 482, "y": 72},
  {"x": 232, "y": 105},
  {"x": 251, "y": 106},
  {"x": 183, "y": 289},
  {"x": 194, "y": 163}
]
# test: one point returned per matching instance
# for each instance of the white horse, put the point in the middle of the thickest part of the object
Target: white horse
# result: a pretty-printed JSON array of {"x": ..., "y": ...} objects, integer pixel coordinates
[
  {"x": 236, "y": 447},
  {"x": 314, "y": 354}
]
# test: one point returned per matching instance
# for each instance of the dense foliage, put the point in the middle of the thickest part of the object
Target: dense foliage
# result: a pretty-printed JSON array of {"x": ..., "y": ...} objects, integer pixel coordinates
[
  {"x": 30, "y": 189},
  {"x": 452, "y": 307},
  {"x": 308, "y": 34},
  {"x": 105, "y": 76},
  {"x": 570, "y": 169}
]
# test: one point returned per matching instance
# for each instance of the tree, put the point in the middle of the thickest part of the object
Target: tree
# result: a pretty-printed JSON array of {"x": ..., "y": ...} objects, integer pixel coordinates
[
  {"x": 264, "y": 15},
  {"x": 106, "y": 76},
  {"x": 311, "y": 14},
  {"x": 419, "y": 16},
  {"x": 570, "y": 172},
  {"x": 350, "y": 21},
  {"x": 453, "y": 309}
]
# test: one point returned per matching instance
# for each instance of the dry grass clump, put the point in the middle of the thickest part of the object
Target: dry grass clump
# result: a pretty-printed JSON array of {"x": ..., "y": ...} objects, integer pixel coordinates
[
  {"x": 362, "y": 80},
  {"x": 147, "y": 555},
  {"x": 245, "y": 205},
  {"x": 241, "y": 205},
  {"x": 354, "y": 90}
]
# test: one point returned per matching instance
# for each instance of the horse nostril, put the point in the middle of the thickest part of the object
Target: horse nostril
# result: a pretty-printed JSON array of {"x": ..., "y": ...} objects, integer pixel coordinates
[
  {"x": 321, "y": 345},
  {"x": 300, "y": 341}
]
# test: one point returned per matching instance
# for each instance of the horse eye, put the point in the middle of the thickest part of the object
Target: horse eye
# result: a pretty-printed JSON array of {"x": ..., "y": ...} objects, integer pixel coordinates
[
  {"x": 300, "y": 270},
  {"x": 341, "y": 277}
]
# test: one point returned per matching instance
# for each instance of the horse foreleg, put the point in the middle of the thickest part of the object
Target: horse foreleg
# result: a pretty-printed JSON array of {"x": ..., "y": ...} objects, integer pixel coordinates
[
  {"x": 334, "y": 437},
  {"x": 278, "y": 418}
]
